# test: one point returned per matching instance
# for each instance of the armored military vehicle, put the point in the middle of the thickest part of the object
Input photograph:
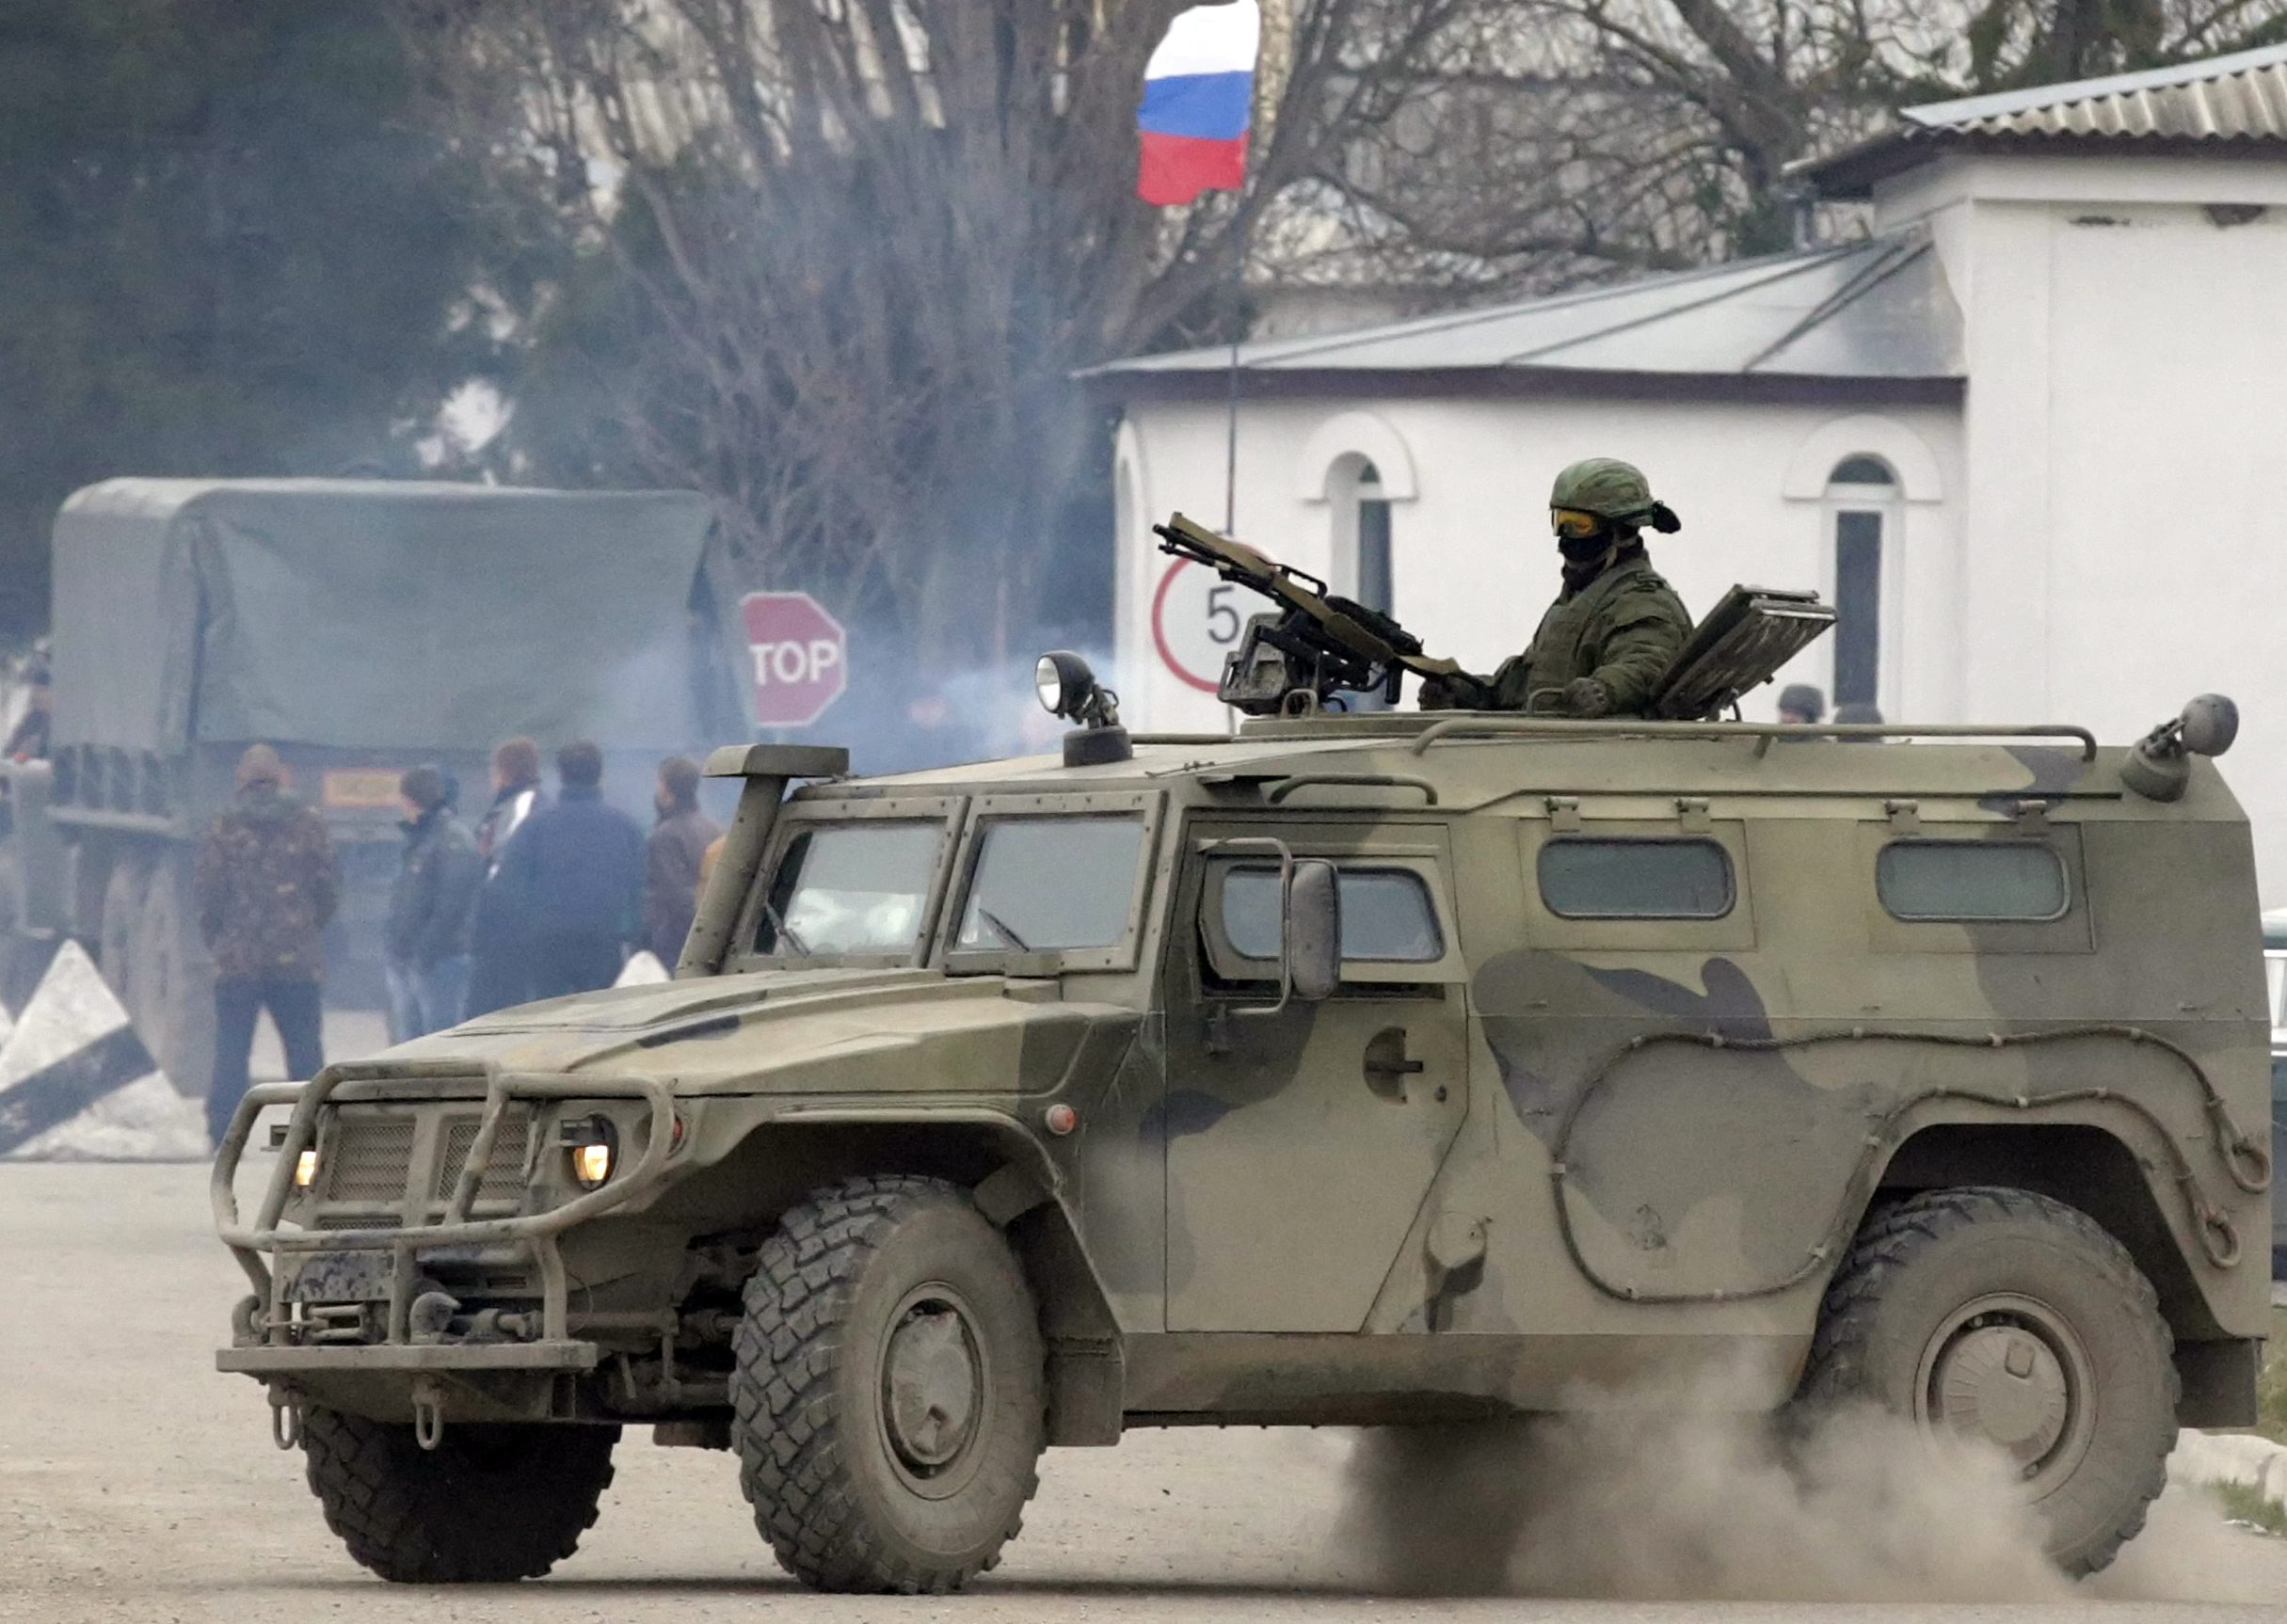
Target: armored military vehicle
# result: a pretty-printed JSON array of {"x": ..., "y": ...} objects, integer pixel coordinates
[
  {"x": 1372, "y": 1069},
  {"x": 360, "y": 625}
]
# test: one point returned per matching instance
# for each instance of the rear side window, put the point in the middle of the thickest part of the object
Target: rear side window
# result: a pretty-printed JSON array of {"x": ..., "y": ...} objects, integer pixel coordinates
[
  {"x": 1386, "y": 914},
  {"x": 1635, "y": 878},
  {"x": 1971, "y": 879}
]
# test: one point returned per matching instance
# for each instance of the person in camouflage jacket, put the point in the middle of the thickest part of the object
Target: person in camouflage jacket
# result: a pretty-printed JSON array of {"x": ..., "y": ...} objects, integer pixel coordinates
[
  {"x": 265, "y": 886},
  {"x": 1616, "y": 627}
]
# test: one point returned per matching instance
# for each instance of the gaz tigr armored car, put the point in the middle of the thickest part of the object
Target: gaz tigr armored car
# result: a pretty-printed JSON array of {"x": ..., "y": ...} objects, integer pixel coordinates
[{"x": 1366, "y": 1070}]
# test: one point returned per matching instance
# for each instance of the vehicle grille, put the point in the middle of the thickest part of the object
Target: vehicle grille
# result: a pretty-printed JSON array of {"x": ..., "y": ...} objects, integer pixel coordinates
[
  {"x": 504, "y": 1175},
  {"x": 357, "y": 1220},
  {"x": 368, "y": 1158}
]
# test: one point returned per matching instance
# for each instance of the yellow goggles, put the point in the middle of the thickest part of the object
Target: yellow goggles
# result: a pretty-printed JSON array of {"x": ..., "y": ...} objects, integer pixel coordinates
[{"x": 1574, "y": 525}]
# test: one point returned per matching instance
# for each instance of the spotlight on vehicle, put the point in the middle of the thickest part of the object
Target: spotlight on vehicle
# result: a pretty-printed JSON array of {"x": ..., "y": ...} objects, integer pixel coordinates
[
  {"x": 1069, "y": 689},
  {"x": 2159, "y": 767}
]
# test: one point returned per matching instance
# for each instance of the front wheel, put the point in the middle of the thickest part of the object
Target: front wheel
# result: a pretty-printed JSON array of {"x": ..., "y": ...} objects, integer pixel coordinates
[
  {"x": 491, "y": 1503},
  {"x": 2012, "y": 1321},
  {"x": 890, "y": 1388}
]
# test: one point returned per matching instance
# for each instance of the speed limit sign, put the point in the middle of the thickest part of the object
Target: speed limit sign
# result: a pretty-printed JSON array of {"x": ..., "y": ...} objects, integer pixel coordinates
[{"x": 1195, "y": 620}]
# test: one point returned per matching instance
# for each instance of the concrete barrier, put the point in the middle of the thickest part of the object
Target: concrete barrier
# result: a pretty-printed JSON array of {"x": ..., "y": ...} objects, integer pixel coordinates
[
  {"x": 76, "y": 1084},
  {"x": 2241, "y": 1457}
]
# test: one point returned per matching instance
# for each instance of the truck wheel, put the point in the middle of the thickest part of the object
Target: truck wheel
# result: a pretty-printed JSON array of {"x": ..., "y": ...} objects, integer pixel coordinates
[
  {"x": 115, "y": 931},
  {"x": 488, "y": 1504},
  {"x": 890, "y": 1388},
  {"x": 2006, "y": 1317},
  {"x": 173, "y": 994}
]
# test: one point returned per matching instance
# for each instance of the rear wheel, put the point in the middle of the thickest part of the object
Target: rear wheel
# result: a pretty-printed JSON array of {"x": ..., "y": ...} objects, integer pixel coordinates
[
  {"x": 173, "y": 993},
  {"x": 890, "y": 1388},
  {"x": 2012, "y": 1321},
  {"x": 119, "y": 922},
  {"x": 488, "y": 1504}
]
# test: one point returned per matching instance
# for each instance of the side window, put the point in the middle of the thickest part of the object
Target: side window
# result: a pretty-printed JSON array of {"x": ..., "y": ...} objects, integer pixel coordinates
[
  {"x": 1387, "y": 917},
  {"x": 1634, "y": 878},
  {"x": 1970, "y": 880}
]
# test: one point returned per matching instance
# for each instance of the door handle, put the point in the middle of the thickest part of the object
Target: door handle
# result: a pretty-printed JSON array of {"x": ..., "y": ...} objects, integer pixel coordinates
[{"x": 1388, "y": 1066}]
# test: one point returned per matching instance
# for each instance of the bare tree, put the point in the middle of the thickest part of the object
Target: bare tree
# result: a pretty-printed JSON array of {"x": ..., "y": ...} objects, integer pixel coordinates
[
  {"x": 836, "y": 261},
  {"x": 862, "y": 245}
]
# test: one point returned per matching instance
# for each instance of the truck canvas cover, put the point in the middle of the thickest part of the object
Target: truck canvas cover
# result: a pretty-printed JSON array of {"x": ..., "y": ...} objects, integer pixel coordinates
[{"x": 374, "y": 614}]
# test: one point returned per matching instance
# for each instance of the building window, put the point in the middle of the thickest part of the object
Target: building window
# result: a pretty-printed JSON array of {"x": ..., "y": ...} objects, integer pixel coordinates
[
  {"x": 1362, "y": 566},
  {"x": 1862, "y": 493},
  {"x": 1373, "y": 540}
]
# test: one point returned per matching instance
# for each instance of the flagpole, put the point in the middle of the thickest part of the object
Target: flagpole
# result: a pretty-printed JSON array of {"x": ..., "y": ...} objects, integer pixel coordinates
[{"x": 1235, "y": 316}]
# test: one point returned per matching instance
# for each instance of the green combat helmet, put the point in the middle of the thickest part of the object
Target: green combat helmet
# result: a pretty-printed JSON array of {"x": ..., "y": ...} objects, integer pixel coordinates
[{"x": 1611, "y": 489}]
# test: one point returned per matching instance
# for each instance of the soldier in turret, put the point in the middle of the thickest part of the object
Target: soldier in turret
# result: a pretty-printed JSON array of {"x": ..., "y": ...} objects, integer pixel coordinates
[{"x": 1615, "y": 628}]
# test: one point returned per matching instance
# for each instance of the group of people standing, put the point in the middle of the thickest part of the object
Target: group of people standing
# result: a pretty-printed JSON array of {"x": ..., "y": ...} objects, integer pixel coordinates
[{"x": 540, "y": 898}]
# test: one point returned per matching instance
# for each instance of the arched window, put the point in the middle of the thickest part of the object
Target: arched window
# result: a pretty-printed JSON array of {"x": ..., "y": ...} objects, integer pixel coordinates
[
  {"x": 1861, "y": 496},
  {"x": 1362, "y": 566}
]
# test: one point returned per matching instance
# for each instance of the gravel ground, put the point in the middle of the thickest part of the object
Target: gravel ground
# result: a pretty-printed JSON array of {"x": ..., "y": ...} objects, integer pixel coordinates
[{"x": 136, "y": 1484}]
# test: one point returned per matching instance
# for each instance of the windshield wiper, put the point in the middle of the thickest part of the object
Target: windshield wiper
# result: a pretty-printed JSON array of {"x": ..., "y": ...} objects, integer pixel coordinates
[
  {"x": 1000, "y": 928},
  {"x": 787, "y": 934}
]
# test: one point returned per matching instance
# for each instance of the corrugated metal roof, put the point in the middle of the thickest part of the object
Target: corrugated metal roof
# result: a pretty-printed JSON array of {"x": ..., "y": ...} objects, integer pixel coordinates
[
  {"x": 2223, "y": 98},
  {"x": 2239, "y": 98},
  {"x": 1872, "y": 310}
]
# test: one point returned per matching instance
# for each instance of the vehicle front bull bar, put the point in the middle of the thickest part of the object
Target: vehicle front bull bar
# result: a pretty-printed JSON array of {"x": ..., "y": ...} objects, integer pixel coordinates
[{"x": 536, "y": 1231}]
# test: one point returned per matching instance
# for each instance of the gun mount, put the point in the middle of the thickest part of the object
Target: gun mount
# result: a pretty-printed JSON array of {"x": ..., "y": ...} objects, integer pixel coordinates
[{"x": 1312, "y": 645}]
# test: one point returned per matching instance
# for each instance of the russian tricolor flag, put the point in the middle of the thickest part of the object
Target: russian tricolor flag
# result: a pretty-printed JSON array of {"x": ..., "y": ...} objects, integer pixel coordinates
[{"x": 1198, "y": 99}]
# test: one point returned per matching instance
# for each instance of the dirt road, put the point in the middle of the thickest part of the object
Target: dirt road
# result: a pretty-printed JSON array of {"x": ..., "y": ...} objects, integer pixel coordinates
[{"x": 138, "y": 1485}]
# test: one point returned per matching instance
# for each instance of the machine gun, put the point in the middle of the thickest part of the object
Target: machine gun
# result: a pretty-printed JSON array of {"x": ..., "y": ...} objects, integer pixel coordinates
[{"x": 1296, "y": 656}]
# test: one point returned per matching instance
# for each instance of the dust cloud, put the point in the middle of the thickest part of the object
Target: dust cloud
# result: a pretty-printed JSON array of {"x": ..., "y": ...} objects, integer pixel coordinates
[{"x": 1697, "y": 1501}]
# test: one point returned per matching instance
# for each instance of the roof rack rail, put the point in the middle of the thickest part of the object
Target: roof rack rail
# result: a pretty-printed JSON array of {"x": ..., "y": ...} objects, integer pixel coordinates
[{"x": 1550, "y": 727}]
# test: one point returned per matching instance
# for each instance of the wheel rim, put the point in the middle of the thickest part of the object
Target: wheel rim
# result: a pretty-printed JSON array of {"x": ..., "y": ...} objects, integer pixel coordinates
[
  {"x": 2009, "y": 1371},
  {"x": 934, "y": 1384}
]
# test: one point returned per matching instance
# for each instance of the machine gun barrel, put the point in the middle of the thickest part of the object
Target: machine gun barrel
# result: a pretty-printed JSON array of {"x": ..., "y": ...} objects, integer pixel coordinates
[{"x": 1335, "y": 624}]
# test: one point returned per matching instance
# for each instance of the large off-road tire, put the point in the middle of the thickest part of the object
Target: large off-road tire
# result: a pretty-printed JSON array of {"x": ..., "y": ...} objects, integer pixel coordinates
[
  {"x": 172, "y": 982},
  {"x": 2002, "y": 1315},
  {"x": 890, "y": 1388},
  {"x": 116, "y": 933},
  {"x": 488, "y": 1504}
]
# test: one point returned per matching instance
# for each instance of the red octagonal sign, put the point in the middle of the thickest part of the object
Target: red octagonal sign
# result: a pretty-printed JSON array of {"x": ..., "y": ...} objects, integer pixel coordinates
[{"x": 801, "y": 655}]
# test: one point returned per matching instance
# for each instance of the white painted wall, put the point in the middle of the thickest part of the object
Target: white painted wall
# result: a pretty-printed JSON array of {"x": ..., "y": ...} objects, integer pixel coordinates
[
  {"x": 1474, "y": 564},
  {"x": 2125, "y": 434},
  {"x": 2098, "y": 533}
]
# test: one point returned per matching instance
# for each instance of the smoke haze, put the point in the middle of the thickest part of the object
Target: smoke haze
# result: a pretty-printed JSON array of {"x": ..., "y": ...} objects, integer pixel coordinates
[{"x": 1704, "y": 1502}]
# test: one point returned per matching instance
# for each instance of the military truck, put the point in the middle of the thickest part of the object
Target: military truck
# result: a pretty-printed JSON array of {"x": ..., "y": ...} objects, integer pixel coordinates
[
  {"x": 361, "y": 627},
  {"x": 1364, "y": 1069}
]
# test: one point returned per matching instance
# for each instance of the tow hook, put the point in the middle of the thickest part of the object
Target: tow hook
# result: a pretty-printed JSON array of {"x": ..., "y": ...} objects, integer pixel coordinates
[
  {"x": 285, "y": 1418},
  {"x": 429, "y": 1413}
]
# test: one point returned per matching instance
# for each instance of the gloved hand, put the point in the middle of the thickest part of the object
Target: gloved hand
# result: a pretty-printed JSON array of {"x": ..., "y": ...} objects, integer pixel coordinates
[
  {"x": 1456, "y": 691},
  {"x": 1587, "y": 698}
]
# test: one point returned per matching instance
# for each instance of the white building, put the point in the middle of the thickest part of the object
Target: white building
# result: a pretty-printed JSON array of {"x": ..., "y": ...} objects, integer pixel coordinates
[{"x": 2030, "y": 439}]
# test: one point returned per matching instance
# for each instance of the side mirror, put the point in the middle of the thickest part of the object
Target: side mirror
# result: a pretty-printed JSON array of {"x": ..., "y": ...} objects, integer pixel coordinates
[{"x": 1313, "y": 926}]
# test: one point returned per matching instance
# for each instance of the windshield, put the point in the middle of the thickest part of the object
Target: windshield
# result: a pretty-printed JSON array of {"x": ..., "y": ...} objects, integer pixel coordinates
[
  {"x": 856, "y": 888},
  {"x": 1052, "y": 884}
]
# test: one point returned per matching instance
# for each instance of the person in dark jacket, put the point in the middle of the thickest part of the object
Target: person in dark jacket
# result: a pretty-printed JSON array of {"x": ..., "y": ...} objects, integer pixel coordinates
[
  {"x": 425, "y": 943},
  {"x": 265, "y": 886},
  {"x": 673, "y": 858},
  {"x": 576, "y": 868},
  {"x": 499, "y": 974}
]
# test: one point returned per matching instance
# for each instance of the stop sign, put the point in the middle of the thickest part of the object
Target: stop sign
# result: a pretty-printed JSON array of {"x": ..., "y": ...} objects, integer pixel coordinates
[{"x": 801, "y": 657}]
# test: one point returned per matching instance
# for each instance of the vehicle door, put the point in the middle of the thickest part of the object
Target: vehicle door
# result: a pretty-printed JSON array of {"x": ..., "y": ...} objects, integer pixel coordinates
[{"x": 1301, "y": 1143}]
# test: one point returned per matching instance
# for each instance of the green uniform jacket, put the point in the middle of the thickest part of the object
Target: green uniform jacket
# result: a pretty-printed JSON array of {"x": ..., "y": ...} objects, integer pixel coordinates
[{"x": 1625, "y": 629}]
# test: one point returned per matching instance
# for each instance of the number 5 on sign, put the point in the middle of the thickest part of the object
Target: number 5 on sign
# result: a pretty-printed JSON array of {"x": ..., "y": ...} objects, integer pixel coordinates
[{"x": 1195, "y": 621}]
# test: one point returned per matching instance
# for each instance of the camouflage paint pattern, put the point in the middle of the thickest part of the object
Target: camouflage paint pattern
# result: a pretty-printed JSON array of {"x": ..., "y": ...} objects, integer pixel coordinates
[{"x": 1562, "y": 1155}]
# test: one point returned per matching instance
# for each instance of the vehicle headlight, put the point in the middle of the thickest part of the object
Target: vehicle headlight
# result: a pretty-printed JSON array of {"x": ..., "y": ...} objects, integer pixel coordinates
[
  {"x": 305, "y": 1170},
  {"x": 594, "y": 1144}
]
